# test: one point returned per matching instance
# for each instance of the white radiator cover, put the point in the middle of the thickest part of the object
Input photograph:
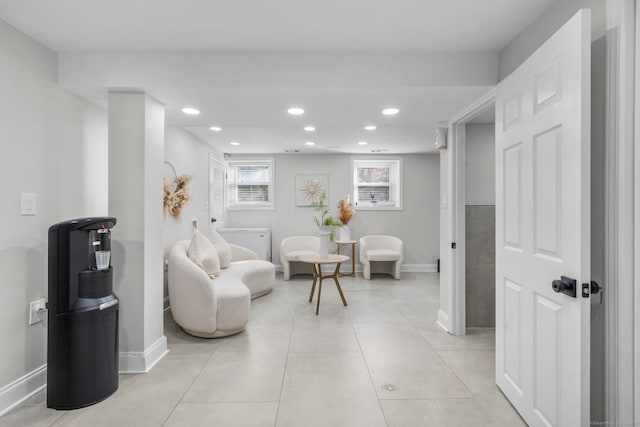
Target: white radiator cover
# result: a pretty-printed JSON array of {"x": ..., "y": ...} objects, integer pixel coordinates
[{"x": 256, "y": 239}]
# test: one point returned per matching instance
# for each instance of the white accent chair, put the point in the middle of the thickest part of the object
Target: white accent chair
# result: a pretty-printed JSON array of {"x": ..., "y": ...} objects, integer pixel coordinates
[
  {"x": 294, "y": 248},
  {"x": 385, "y": 251},
  {"x": 218, "y": 307}
]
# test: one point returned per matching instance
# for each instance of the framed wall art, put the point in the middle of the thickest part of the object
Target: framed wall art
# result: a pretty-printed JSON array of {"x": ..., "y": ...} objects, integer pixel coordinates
[{"x": 309, "y": 187}]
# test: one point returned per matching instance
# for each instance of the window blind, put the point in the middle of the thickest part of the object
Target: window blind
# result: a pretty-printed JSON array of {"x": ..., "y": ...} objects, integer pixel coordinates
[{"x": 253, "y": 183}]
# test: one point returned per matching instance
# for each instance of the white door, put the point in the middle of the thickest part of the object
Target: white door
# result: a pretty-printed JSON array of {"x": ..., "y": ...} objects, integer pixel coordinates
[
  {"x": 217, "y": 172},
  {"x": 543, "y": 229}
]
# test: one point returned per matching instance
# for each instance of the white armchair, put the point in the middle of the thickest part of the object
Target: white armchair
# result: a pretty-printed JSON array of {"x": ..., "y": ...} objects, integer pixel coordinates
[
  {"x": 294, "y": 248},
  {"x": 383, "y": 250}
]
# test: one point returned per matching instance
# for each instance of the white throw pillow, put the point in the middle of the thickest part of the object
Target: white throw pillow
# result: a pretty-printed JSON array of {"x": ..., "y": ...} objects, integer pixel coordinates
[
  {"x": 204, "y": 254},
  {"x": 223, "y": 248}
]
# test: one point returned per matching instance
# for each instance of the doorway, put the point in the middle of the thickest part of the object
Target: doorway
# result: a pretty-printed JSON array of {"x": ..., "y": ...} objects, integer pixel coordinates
[{"x": 480, "y": 220}]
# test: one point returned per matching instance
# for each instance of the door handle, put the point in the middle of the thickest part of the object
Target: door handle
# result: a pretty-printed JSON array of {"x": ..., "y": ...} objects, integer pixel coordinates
[{"x": 565, "y": 285}]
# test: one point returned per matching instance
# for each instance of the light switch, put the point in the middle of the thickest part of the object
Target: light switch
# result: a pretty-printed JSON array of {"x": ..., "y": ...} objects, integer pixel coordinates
[{"x": 27, "y": 203}]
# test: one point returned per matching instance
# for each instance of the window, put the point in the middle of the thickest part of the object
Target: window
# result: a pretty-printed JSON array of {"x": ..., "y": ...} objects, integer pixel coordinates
[
  {"x": 376, "y": 184},
  {"x": 250, "y": 184}
]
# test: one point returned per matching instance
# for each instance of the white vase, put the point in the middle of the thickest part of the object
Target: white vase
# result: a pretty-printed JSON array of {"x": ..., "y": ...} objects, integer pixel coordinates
[
  {"x": 324, "y": 241},
  {"x": 345, "y": 234}
]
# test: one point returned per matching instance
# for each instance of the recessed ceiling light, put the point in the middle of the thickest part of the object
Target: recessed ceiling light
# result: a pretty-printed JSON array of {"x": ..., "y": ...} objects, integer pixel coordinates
[
  {"x": 295, "y": 111},
  {"x": 191, "y": 111},
  {"x": 215, "y": 128},
  {"x": 362, "y": 143},
  {"x": 390, "y": 111},
  {"x": 310, "y": 143},
  {"x": 234, "y": 143},
  {"x": 370, "y": 127},
  {"x": 309, "y": 128}
]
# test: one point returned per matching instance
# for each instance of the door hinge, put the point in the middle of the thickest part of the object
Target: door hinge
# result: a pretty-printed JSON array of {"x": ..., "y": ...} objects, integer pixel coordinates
[{"x": 453, "y": 245}]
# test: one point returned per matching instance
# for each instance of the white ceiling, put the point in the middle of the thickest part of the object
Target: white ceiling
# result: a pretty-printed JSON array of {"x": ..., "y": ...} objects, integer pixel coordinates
[{"x": 237, "y": 61}]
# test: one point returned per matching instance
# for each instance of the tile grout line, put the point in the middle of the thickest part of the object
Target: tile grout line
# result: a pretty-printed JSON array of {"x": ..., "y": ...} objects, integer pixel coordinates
[
  {"x": 372, "y": 382},
  {"x": 286, "y": 363},
  {"x": 190, "y": 385}
]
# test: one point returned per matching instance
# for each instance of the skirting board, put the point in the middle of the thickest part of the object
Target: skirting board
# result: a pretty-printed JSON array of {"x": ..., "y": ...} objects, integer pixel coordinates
[
  {"x": 142, "y": 362},
  {"x": 21, "y": 389},
  {"x": 419, "y": 268},
  {"x": 409, "y": 268}
]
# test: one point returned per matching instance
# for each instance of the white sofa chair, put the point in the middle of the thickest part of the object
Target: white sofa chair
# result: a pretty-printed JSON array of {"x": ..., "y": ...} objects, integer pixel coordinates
[
  {"x": 217, "y": 307},
  {"x": 385, "y": 251},
  {"x": 294, "y": 248}
]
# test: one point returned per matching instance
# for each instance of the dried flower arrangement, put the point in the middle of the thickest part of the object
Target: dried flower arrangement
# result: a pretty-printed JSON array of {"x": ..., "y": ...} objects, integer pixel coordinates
[
  {"x": 175, "y": 200},
  {"x": 345, "y": 211}
]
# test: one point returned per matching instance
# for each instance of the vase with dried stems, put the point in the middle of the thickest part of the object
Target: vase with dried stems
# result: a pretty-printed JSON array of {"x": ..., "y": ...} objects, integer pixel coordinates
[
  {"x": 345, "y": 215},
  {"x": 327, "y": 224}
]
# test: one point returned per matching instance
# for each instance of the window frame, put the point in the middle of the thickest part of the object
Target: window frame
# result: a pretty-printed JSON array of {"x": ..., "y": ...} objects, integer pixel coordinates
[
  {"x": 395, "y": 183},
  {"x": 232, "y": 188}
]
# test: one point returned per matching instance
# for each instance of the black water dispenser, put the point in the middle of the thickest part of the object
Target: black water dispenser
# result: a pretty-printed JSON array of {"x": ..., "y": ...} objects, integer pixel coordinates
[{"x": 82, "y": 341}]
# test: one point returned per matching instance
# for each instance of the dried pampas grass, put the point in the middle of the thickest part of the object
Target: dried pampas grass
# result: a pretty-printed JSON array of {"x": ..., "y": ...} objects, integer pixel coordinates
[{"x": 345, "y": 212}]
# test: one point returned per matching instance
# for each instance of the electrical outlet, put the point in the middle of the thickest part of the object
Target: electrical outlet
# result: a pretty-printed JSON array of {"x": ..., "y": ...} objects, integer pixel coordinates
[{"x": 37, "y": 311}]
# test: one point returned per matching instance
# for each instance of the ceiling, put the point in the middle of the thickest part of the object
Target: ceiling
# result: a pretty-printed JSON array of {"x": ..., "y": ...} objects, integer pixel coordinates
[{"x": 242, "y": 63}]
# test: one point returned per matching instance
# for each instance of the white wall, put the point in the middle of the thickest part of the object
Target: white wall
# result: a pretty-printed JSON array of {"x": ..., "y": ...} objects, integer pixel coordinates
[
  {"x": 525, "y": 43},
  {"x": 54, "y": 145},
  {"x": 189, "y": 155},
  {"x": 417, "y": 224},
  {"x": 480, "y": 164}
]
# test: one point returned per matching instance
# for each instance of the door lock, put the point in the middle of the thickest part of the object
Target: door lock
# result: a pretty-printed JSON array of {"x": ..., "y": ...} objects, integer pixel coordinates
[
  {"x": 591, "y": 288},
  {"x": 565, "y": 285}
]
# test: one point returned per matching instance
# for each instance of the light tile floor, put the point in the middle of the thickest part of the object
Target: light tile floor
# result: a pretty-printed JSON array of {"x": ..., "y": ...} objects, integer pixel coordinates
[{"x": 381, "y": 361}]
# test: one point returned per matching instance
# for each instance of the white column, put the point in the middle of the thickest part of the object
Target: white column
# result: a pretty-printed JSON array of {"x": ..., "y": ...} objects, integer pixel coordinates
[{"x": 136, "y": 153}]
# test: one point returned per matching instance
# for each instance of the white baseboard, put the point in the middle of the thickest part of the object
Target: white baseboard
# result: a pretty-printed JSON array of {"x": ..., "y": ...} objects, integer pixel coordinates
[
  {"x": 410, "y": 268},
  {"x": 23, "y": 388},
  {"x": 138, "y": 362},
  {"x": 419, "y": 268},
  {"x": 443, "y": 320}
]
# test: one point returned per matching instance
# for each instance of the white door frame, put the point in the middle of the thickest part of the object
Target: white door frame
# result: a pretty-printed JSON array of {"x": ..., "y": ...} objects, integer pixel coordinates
[
  {"x": 622, "y": 304},
  {"x": 636, "y": 263},
  {"x": 455, "y": 282}
]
